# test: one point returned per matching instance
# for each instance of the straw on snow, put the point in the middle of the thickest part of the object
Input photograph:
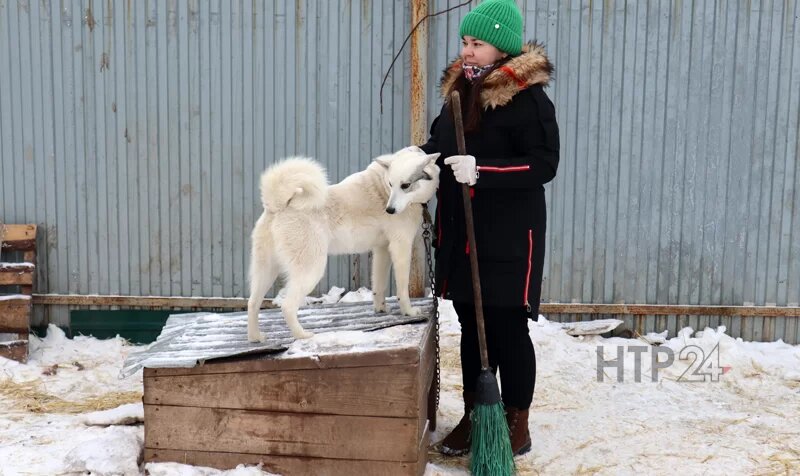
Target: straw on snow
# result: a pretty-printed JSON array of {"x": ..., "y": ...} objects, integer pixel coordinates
[{"x": 27, "y": 396}]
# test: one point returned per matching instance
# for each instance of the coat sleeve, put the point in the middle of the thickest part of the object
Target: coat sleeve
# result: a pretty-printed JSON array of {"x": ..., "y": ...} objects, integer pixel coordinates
[{"x": 537, "y": 142}]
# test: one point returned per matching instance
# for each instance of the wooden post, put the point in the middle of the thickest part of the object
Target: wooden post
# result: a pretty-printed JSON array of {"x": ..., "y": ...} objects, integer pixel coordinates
[
  {"x": 419, "y": 76},
  {"x": 419, "y": 57}
]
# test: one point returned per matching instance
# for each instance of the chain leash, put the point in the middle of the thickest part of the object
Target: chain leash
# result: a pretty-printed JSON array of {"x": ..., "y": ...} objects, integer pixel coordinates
[{"x": 427, "y": 227}]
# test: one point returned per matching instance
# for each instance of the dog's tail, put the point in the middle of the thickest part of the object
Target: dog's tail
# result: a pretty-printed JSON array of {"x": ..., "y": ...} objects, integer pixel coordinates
[{"x": 298, "y": 182}]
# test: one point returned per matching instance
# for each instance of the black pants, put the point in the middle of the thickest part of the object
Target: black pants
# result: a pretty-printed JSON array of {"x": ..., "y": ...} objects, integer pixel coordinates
[{"x": 509, "y": 347}]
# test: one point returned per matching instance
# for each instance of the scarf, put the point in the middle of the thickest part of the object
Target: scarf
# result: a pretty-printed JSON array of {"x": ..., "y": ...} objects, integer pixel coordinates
[{"x": 474, "y": 72}]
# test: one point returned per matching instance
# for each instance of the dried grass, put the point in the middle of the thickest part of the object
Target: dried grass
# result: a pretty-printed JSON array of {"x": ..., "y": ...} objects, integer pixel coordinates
[
  {"x": 460, "y": 462},
  {"x": 449, "y": 358},
  {"x": 28, "y": 397}
]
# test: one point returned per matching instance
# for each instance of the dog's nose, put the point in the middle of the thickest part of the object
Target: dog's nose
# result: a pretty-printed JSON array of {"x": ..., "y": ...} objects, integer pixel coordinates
[{"x": 390, "y": 210}]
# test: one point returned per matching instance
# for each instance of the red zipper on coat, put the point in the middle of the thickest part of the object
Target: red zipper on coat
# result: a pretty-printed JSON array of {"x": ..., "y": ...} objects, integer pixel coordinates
[{"x": 530, "y": 267}]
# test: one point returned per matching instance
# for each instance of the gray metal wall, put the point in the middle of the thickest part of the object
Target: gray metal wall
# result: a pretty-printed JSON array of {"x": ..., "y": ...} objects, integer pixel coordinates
[
  {"x": 679, "y": 123},
  {"x": 134, "y": 132}
]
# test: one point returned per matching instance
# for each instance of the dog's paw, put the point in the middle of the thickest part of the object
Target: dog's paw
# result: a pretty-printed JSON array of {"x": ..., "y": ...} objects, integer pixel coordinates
[
  {"x": 302, "y": 334},
  {"x": 255, "y": 337},
  {"x": 410, "y": 311},
  {"x": 380, "y": 307}
]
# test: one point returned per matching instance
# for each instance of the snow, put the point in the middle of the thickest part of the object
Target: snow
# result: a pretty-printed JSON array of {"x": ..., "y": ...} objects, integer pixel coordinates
[
  {"x": 747, "y": 422},
  {"x": 331, "y": 297},
  {"x": 107, "y": 454},
  {"x": 17, "y": 265},
  {"x": 598, "y": 326},
  {"x": 177, "y": 469},
  {"x": 127, "y": 414},
  {"x": 362, "y": 294},
  {"x": 14, "y": 297},
  {"x": 353, "y": 342}
]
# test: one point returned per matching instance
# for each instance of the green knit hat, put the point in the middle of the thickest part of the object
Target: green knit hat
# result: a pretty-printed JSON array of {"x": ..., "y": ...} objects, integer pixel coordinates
[{"x": 497, "y": 22}]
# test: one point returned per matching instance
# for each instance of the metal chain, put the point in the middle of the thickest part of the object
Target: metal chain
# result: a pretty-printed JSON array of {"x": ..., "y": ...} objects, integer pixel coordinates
[{"x": 427, "y": 226}]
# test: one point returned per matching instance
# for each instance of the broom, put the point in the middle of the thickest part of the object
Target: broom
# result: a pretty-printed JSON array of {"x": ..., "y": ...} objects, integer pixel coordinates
[{"x": 491, "y": 443}]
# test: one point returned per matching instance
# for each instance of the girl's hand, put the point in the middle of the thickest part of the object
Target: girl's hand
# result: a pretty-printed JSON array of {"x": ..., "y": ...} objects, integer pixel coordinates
[{"x": 464, "y": 168}]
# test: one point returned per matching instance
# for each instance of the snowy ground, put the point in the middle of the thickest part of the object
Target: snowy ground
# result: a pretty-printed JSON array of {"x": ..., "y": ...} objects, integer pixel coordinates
[{"x": 747, "y": 422}]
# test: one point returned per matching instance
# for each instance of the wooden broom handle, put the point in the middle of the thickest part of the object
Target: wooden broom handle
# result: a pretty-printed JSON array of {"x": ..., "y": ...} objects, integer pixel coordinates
[{"x": 455, "y": 102}]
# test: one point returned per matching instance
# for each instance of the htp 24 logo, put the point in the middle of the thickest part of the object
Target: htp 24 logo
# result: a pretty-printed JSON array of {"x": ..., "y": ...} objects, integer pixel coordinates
[{"x": 704, "y": 367}]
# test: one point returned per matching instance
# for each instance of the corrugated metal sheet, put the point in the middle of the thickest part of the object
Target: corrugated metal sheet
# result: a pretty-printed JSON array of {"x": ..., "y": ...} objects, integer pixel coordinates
[
  {"x": 134, "y": 132},
  {"x": 191, "y": 339}
]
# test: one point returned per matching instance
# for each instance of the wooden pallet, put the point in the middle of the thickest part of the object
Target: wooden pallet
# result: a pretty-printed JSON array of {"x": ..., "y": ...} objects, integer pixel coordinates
[
  {"x": 15, "y": 309},
  {"x": 337, "y": 412}
]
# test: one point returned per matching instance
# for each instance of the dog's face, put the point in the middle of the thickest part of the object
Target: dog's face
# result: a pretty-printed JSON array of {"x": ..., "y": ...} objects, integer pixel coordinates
[{"x": 412, "y": 177}]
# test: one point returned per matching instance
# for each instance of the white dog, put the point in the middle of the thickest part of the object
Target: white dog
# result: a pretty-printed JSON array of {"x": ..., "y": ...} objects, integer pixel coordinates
[{"x": 305, "y": 220}]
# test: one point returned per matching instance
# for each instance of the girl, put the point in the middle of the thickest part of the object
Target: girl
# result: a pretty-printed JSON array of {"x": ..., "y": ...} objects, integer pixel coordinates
[{"x": 513, "y": 146}]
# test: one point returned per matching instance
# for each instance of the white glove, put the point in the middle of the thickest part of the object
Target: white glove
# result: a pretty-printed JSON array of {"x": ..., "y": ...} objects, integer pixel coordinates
[{"x": 463, "y": 168}]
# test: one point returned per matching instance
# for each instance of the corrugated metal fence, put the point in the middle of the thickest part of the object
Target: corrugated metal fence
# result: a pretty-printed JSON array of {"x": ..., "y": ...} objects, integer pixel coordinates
[{"x": 134, "y": 132}]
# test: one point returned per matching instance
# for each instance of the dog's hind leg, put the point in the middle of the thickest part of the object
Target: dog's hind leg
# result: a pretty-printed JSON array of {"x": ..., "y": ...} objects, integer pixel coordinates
[
  {"x": 400, "y": 250},
  {"x": 301, "y": 282},
  {"x": 380, "y": 276},
  {"x": 263, "y": 271}
]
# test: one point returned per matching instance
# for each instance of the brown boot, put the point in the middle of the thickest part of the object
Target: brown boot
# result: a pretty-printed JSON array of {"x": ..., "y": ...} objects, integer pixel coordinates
[
  {"x": 518, "y": 426},
  {"x": 457, "y": 443}
]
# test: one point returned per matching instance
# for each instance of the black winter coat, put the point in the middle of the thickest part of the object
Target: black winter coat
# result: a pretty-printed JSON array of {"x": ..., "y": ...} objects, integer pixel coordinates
[{"x": 517, "y": 151}]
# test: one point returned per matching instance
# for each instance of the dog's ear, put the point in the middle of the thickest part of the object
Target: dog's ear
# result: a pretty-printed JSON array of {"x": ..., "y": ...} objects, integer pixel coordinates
[
  {"x": 384, "y": 160},
  {"x": 432, "y": 158},
  {"x": 411, "y": 148}
]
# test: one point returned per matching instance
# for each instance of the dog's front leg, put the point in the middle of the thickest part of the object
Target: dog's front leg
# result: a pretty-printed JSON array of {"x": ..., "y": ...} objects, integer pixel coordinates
[
  {"x": 401, "y": 262},
  {"x": 380, "y": 277}
]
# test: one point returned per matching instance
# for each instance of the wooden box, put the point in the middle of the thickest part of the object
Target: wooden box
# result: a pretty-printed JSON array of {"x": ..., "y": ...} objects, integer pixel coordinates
[{"x": 327, "y": 413}]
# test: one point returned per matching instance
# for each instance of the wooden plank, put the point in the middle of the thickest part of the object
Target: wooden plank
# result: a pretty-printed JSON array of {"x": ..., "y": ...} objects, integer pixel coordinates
[
  {"x": 425, "y": 385},
  {"x": 16, "y": 276},
  {"x": 276, "y": 433},
  {"x": 544, "y": 308},
  {"x": 422, "y": 451},
  {"x": 268, "y": 363},
  {"x": 15, "y": 315},
  {"x": 15, "y": 350},
  {"x": 285, "y": 465},
  {"x": 292, "y": 465},
  {"x": 366, "y": 391},
  {"x": 18, "y": 237},
  {"x": 168, "y": 302}
]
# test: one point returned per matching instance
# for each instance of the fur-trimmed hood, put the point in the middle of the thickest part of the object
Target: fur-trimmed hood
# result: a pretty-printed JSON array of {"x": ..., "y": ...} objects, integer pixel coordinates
[{"x": 531, "y": 67}]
